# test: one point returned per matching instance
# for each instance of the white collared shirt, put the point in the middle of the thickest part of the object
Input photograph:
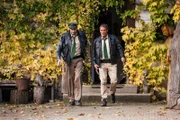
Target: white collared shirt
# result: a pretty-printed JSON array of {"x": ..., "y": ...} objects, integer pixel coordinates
[
  {"x": 108, "y": 47},
  {"x": 78, "y": 48}
]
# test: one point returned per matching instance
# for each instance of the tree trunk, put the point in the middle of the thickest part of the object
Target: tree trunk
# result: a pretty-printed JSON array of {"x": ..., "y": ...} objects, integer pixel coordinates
[
  {"x": 173, "y": 97},
  {"x": 39, "y": 80},
  {"x": 39, "y": 94}
]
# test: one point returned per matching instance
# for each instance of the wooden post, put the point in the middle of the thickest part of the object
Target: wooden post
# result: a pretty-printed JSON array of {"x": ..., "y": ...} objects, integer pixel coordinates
[
  {"x": 130, "y": 6},
  {"x": 0, "y": 95},
  {"x": 18, "y": 97},
  {"x": 58, "y": 89},
  {"x": 52, "y": 91}
]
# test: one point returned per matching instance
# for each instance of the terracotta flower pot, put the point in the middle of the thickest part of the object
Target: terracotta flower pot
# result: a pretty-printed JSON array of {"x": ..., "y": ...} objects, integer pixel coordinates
[{"x": 22, "y": 84}]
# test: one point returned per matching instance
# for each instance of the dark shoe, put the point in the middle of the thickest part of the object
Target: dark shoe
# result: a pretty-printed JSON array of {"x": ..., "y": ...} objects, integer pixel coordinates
[
  {"x": 113, "y": 98},
  {"x": 78, "y": 103},
  {"x": 71, "y": 103},
  {"x": 104, "y": 102}
]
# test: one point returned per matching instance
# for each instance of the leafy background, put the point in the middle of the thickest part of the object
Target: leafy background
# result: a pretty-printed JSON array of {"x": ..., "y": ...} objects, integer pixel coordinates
[{"x": 30, "y": 31}]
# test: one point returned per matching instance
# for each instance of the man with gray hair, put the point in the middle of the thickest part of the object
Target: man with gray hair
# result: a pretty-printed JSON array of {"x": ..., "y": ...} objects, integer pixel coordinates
[{"x": 107, "y": 49}]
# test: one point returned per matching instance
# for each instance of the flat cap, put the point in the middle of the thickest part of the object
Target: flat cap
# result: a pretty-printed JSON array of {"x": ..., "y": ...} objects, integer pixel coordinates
[{"x": 72, "y": 25}]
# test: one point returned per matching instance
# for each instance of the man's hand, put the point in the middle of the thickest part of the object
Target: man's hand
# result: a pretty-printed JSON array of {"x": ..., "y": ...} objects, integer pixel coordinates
[
  {"x": 96, "y": 67},
  {"x": 59, "y": 63},
  {"x": 123, "y": 60}
]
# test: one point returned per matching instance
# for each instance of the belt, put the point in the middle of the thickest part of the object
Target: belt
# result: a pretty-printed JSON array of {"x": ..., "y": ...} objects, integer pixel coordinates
[
  {"x": 75, "y": 57},
  {"x": 106, "y": 61}
]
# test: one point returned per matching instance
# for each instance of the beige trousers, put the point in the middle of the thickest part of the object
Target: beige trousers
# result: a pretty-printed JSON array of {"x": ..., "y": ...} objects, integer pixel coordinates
[
  {"x": 64, "y": 81},
  {"x": 111, "y": 70},
  {"x": 74, "y": 72}
]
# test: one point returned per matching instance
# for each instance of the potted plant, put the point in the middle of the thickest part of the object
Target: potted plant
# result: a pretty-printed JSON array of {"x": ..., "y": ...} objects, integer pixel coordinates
[
  {"x": 16, "y": 74},
  {"x": 22, "y": 77},
  {"x": 43, "y": 70}
]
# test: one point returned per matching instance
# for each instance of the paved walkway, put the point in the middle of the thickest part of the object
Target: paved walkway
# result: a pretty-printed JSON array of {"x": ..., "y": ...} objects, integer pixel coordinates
[{"x": 89, "y": 111}]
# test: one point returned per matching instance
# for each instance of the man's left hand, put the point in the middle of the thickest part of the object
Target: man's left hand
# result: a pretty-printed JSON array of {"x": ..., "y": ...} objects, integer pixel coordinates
[{"x": 123, "y": 60}]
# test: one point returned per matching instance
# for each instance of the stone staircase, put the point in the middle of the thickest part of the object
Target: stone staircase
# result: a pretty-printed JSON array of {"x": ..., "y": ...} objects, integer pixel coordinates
[{"x": 124, "y": 93}]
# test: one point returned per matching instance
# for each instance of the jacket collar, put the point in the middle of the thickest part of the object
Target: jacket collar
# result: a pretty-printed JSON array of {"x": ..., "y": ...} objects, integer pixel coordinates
[
  {"x": 78, "y": 33},
  {"x": 107, "y": 37},
  {"x": 100, "y": 38}
]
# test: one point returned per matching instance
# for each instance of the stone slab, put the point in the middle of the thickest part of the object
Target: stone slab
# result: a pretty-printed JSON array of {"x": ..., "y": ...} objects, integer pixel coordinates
[
  {"x": 126, "y": 97},
  {"x": 120, "y": 88}
]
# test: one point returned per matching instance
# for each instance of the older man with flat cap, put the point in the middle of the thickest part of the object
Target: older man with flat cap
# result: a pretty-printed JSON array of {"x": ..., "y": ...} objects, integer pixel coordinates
[{"x": 71, "y": 48}]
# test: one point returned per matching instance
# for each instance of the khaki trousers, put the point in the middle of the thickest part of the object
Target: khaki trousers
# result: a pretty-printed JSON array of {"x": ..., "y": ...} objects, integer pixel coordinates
[
  {"x": 74, "y": 72},
  {"x": 111, "y": 70},
  {"x": 64, "y": 81}
]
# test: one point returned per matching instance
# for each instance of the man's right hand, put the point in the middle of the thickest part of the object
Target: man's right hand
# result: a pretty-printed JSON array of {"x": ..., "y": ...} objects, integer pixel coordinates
[
  {"x": 96, "y": 67},
  {"x": 59, "y": 63}
]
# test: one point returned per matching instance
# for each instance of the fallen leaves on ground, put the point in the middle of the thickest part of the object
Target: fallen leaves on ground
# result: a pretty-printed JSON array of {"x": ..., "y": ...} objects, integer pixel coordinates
[
  {"x": 3, "y": 111},
  {"x": 91, "y": 115},
  {"x": 65, "y": 110},
  {"x": 15, "y": 119},
  {"x": 120, "y": 114},
  {"x": 34, "y": 109},
  {"x": 70, "y": 119},
  {"x": 58, "y": 112},
  {"x": 161, "y": 113},
  {"x": 81, "y": 114},
  {"x": 48, "y": 107},
  {"x": 140, "y": 114},
  {"x": 36, "y": 113},
  {"x": 22, "y": 112},
  {"x": 60, "y": 105},
  {"x": 99, "y": 115},
  {"x": 15, "y": 111},
  {"x": 40, "y": 106}
]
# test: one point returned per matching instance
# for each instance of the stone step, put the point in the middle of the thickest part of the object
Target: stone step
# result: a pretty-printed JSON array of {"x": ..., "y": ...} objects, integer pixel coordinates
[
  {"x": 120, "y": 88},
  {"x": 120, "y": 97}
]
